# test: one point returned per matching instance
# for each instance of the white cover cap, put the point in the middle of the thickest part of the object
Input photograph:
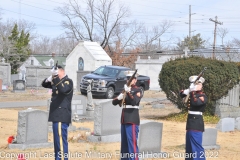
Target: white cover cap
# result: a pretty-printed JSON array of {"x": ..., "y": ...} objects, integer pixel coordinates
[
  {"x": 130, "y": 73},
  {"x": 193, "y": 78}
]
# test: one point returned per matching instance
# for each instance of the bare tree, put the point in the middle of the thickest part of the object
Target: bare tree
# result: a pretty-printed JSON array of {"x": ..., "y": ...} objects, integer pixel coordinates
[
  {"x": 41, "y": 45},
  {"x": 97, "y": 21},
  {"x": 127, "y": 35},
  {"x": 150, "y": 38},
  {"x": 6, "y": 28},
  {"x": 27, "y": 27},
  {"x": 46, "y": 46},
  {"x": 63, "y": 46},
  {"x": 5, "y": 44},
  {"x": 236, "y": 42},
  {"x": 222, "y": 32}
]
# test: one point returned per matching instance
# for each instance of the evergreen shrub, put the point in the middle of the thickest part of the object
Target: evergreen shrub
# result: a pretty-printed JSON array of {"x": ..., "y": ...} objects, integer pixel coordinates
[{"x": 220, "y": 77}]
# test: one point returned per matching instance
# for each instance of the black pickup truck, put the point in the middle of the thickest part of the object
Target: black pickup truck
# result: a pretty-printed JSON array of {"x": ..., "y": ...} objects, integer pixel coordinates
[{"x": 108, "y": 81}]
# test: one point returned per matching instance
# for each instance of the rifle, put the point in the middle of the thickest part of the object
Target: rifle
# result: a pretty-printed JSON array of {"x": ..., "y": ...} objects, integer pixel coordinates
[
  {"x": 128, "y": 84},
  {"x": 195, "y": 82}
]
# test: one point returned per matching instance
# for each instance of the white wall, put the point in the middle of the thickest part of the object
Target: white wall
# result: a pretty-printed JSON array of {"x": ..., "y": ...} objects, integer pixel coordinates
[{"x": 151, "y": 68}]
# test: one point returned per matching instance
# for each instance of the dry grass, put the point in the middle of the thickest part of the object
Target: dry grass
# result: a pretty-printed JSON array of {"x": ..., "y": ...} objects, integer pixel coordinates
[
  {"x": 28, "y": 95},
  {"x": 172, "y": 140}
]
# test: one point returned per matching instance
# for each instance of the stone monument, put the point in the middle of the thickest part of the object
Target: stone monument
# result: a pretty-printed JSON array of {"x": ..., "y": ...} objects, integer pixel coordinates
[
  {"x": 32, "y": 130},
  {"x": 106, "y": 122},
  {"x": 90, "y": 105}
]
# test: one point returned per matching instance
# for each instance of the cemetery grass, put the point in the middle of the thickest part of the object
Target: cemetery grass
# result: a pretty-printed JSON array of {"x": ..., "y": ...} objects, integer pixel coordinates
[{"x": 173, "y": 138}]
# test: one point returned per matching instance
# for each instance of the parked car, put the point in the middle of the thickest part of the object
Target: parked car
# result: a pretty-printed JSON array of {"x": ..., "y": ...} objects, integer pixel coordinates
[{"x": 108, "y": 81}]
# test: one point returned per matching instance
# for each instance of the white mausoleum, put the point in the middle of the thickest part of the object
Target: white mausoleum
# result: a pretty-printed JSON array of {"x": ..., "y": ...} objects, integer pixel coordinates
[{"x": 86, "y": 56}]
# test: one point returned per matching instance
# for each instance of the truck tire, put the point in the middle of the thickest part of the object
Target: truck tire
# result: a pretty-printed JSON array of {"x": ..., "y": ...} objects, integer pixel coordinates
[
  {"x": 109, "y": 93},
  {"x": 142, "y": 89},
  {"x": 83, "y": 93}
]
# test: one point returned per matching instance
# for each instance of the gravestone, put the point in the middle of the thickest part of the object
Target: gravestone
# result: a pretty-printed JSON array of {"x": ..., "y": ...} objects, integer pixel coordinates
[
  {"x": 78, "y": 111},
  {"x": 19, "y": 86},
  {"x": 106, "y": 122},
  {"x": 228, "y": 106},
  {"x": 226, "y": 124},
  {"x": 32, "y": 130},
  {"x": 237, "y": 123},
  {"x": 5, "y": 73},
  {"x": 79, "y": 103},
  {"x": 150, "y": 139},
  {"x": 210, "y": 139}
]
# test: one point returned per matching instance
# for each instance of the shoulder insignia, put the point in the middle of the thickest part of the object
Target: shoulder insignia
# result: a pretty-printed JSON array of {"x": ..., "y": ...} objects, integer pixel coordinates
[{"x": 67, "y": 82}]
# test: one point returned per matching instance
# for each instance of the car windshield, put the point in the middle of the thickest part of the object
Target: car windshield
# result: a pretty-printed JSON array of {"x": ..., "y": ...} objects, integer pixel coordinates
[{"x": 106, "y": 71}]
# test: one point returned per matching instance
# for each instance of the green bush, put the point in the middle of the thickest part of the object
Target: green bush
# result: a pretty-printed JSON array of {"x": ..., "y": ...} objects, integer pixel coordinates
[{"x": 220, "y": 77}]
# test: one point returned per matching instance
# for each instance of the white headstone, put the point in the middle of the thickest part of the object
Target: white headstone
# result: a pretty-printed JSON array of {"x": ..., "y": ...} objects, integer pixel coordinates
[
  {"x": 226, "y": 124},
  {"x": 210, "y": 139},
  {"x": 150, "y": 137}
]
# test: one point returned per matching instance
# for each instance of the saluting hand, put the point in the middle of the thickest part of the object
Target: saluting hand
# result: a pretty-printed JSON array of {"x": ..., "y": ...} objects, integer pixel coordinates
[{"x": 54, "y": 71}]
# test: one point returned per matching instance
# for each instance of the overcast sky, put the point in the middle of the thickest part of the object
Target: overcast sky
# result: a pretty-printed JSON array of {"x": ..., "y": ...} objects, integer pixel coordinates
[{"x": 151, "y": 12}]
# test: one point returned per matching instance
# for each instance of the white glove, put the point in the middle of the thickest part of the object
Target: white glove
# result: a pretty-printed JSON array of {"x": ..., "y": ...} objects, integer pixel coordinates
[
  {"x": 186, "y": 91},
  {"x": 49, "y": 79},
  {"x": 126, "y": 88},
  {"x": 54, "y": 71},
  {"x": 120, "y": 96},
  {"x": 192, "y": 87}
]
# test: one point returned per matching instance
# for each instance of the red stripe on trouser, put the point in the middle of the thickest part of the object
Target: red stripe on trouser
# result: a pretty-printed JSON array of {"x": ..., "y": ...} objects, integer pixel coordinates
[{"x": 134, "y": 141}]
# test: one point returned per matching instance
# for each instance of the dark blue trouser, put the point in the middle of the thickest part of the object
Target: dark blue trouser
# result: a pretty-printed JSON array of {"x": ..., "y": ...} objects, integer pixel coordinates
[
  {"x": 60, "y": 135},
  {"x": 129, "y": 137},
  {"x": 194, "y": 149}
]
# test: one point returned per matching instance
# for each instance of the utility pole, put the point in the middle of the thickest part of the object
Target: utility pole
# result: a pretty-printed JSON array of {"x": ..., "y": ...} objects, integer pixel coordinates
[
  {"x": 190, "y": 21},
  {"x": 190, "y": 14},
  {"x": 215, "y": 30}
]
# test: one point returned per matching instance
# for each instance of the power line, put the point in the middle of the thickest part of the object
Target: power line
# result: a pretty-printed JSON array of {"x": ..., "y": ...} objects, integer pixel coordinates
[
  {"x": 34, "y": 6},
  {"x": 30, "y": 16}
]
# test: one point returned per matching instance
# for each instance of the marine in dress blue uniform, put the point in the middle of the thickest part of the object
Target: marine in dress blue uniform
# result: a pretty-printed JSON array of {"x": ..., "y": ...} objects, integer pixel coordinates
[
  {"x": 195, "y": 124},
  {"x": 130, "y": 120},
  {"x": 60, "y": 109}
]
